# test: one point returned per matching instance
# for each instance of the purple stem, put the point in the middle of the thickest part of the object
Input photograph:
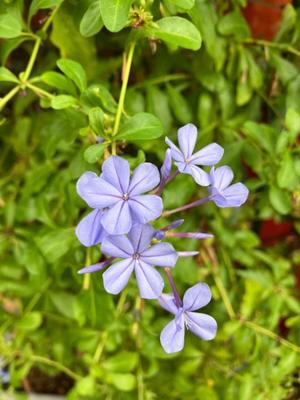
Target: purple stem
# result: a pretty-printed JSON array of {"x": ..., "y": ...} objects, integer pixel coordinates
[
  {"x": 162, "y": 185},
  {"x": 187, "y": 206},
  {"x": 177, "y": 298}
]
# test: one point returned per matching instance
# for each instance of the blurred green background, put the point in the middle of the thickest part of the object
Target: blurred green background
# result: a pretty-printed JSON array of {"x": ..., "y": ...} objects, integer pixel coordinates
[{"x": 62, "y": 333}]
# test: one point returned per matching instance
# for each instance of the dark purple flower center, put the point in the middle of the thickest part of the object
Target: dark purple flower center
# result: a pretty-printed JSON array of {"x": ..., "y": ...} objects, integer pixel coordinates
[
  {"x": 125, "y": 196},
  {"x": 136, "y": 256}
]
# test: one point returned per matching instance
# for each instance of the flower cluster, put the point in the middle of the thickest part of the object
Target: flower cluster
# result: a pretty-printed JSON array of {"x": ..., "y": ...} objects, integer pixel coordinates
[{"x": 120, "y": 222}]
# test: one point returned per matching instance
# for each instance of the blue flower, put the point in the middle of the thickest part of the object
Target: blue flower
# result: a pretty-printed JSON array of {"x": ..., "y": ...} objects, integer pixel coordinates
[
  {"x": 139, "y": 256},
  {"x": 202, "y": 325},
  {"x": 222, "y": 193},
  {"x": 186, "y": 161},
  {"x": 118, "y": 199}
]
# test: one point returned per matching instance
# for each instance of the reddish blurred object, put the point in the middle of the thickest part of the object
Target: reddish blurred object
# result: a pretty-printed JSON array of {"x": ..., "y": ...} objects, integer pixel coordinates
[
  {"x": 264, "y": 17},
  {"x": 272, "y": 232}
]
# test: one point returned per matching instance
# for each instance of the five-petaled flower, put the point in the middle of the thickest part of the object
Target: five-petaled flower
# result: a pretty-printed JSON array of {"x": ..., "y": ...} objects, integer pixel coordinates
[
  {"x": 186, "y": 161},
  {"x": 222, "y": 193},
  {"x": 202, "y": 325},
  {"x": 119, "y": 198},
  {"x": 139, "y": 256}
]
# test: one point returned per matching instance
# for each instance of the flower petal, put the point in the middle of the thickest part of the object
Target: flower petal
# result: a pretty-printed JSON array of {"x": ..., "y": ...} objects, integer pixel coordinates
[
  {"x": 116, "y": 277},
  {"x": 146, "y": 207},
  {"x": 98, "y": 193},
  {"x": 83, "y": 180},
  {"x": 116, "y": 171},
  {"x": 117, "y": 246},
  {"x": 201, "y": 325},
  {"x": 235, "y": 196},
  {"x": 168, "y": 303},
  {"x": 172, "y": 336},
  {"x": 145, "y": 177},
  {"x": 221, "y": 177},
  {"x": 209, "y": 155},
  {"x": 166, "y": 168},
  {"x": 90, "y": 231},
  {"x": 187, "y": 136},
  {"x": 160, "y": 254},
  {"x": 200, "y": 176},
  {"x": 118, "y": 219},
  {"x": 140, "y": 236},
  {"x": 95, "y": 267},
  {"x": 149, "y": 281},
  {"x": 196, "y": 297},
  {"x": 183, "y": 167},
  {"x": 176, "y": 153}
]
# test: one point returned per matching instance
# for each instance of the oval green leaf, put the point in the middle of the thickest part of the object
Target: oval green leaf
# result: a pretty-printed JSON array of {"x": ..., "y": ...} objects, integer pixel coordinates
[
  {"x": 63, "y": 101},
  {"x": 94, "y": 153},
  {"x": 7, "y": 76},
  {"x": 115, "y": 13},
  {"x": 142, "y": 126},
  {"x": 74, "y": 71},
  {"x": 10, "y": 26},
  {"x": 91, "y": 22}
]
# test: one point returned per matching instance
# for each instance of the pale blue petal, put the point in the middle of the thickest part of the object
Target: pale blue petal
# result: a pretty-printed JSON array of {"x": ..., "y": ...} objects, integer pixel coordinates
[
  {"x": 202, "y": 325},
  {"x": 196, "y": 297},
  {"x": 172, "y": 336},
  {"x": 83, "y": 180},
  {"x": 117, "y": 246},
  {"x": 221, "y": 177},
  {"x": 168, "y": 303},
  {"x": 95, "y": 267},
  {"x": 116, "y": 171},
  {"x": 140, "y": 236},
  {"x": 209, "y": 155},
  {"x": 187, "y": 136},
  {"x": 118, "y": 219},
  {"x": 149, "y": 281},
  {"x": 166, "y": 168},
  {"x": 200, "y": 176},
  {"x": 146, "y": 208},
  {"x": 99, "y": 194},
  {"x": 160, "y": 254},
  {"x": 176, "y": 153},
  {"x": 235, "y": 195},
  {"x": 116, "y": 277},
  {"x": 89, "y": 231},
  {"x": 145, "y": 177},
  {"x": 183, "y": 167}
]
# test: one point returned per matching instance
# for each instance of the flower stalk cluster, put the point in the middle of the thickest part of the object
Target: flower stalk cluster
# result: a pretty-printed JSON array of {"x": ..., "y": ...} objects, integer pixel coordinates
[{"x": 124, "y": 208}]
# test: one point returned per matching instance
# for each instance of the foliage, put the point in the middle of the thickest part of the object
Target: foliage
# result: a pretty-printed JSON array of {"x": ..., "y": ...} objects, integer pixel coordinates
[{"x": 129, "y": 72}]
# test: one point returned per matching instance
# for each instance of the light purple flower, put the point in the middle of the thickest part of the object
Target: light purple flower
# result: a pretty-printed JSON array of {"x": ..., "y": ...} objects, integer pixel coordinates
[
  {"x": 186, "y": 161},
  {"x": 166, "y": 168},
  {"x": 139, "y": 256},
  {"x": 119, "y": 197},
  {"x": 222, "y": 193},
  {"x": 202, "y": 325}
]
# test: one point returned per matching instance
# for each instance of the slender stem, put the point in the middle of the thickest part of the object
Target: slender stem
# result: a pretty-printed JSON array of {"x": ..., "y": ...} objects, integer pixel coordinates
[
  {"x": 161, "y": 79},
  {"x": 126, "y": 68},
  {"x": 8, "y": 96},
  {"x": 177, "y": 298},
  {"x": 187, "y": 206},
  {"x": 32, "y": 59},
  {"x": 50, "y": 19},
  {"x": 279, "y": 46},
  {"x": 87, "y": 277},
  {"x": 161, "y": 187},
  {"x": 55, "y": 364},
  {"x": 39, "y": 91}
]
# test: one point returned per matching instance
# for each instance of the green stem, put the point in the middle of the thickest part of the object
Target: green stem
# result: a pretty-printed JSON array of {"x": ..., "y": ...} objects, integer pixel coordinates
[
  {"x": 55, "y": 364},
  {"x": 127, "y": 68},
  {"x": 161, "y": 79},
  {"x": 279, "y": 46},
  {"x": 32, "y": 59},
  {"x": 8, "y": 96},
  {"x": 39, "y": 91}
]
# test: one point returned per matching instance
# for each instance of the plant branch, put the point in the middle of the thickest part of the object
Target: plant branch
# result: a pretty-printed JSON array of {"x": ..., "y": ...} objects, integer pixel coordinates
[
  {"x": 55, "y": 364},
  {"x": 280, "y": 46},
  {"x": 9, "y": 96}
]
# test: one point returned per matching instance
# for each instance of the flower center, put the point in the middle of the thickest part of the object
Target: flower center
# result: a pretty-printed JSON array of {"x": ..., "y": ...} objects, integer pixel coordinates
[
  {"x": 125, "y": 196},
  {"x": 136, "y": 256}
]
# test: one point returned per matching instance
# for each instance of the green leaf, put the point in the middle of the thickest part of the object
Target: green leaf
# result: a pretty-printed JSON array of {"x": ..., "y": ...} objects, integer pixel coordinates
[
  {"x": 234, "y": 24},
  {"x": 99, "y": 96},
  {"x": 7, "y": 76},
  {"x": 10, "y": 26},
  {"x": 74, "y": 71},
  {"x": 280, "y": 200},
  {"x": 94, "y": 153},
  {"x": 123, "y": 362},
  {"x": 41, "y": 4},
  {"x": 63, "y": 101},
  {"x": 55, "y": 243},
  {"x": 178, "y": 31},
  {"x": 184, "y": 4},
  {"x": 286, "y": 175},
  {"x": 91, "y": 22},
  {"x": 115, "y": 13},
  {"x": 124, "y": 382},
  {"x": 96, "y": 120},
  {"x": 286, "y": 70},
  {"x": 179, "y": 105},
  {"x": 292, "y": 120},
  {"x": 30, "y": 321},
  {"x": 142, "y": 126},
  {"x": 59, "y": 81}
]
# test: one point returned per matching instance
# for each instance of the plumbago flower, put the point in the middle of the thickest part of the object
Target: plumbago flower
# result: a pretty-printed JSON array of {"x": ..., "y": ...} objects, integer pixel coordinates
[
  {"x": 202, "y": 325},
  {"x": 118, "y": 200},
  {"x": 120, "y": 221},
  {"x": 186, "y": 161}
]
